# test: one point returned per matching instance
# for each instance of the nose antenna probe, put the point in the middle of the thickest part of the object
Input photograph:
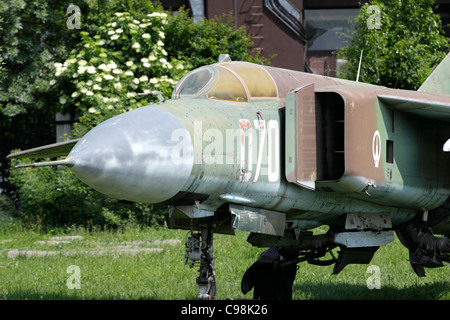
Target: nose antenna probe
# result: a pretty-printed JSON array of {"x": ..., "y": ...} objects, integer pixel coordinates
[{"x": 69, "y": 162}]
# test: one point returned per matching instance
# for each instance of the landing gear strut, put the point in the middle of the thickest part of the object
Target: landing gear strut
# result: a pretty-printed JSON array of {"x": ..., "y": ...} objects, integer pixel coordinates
[
  {"x": 199, "y": 253},
  {"x": 425, "y": 249}
]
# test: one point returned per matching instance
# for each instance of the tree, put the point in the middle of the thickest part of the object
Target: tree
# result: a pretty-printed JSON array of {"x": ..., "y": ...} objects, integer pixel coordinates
[
  {"x": 202, "y": 43},
  {"x": 117, "y": 54},
  {"x": 139, "y": 52},
  {"x": 115, "y": 62},
  {"x": 1, "y": 58},
  {"x": 34, "y": 34},
  {"x": 401, "y": 41}
]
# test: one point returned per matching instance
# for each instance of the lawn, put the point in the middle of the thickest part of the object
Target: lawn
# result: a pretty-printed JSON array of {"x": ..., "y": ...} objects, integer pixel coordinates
[{"x": 104, "y": 272}]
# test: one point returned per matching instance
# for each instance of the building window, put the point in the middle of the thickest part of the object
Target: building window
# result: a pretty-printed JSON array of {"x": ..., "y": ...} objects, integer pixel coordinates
[{"x": 325, "y": 28}]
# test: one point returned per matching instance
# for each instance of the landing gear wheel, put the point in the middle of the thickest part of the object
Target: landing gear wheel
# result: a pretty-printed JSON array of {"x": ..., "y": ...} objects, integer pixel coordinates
[
  {"x": 268, "y": 279},
  {"x": 206, "y": 284}
]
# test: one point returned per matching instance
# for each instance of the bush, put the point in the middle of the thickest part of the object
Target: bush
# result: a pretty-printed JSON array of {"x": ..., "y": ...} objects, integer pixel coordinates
[
  {"x": 126, "y": 54},
  {"x": 55, "y": 197},
  {"x": 202, "y": 43},
  {"x": 6, "y": 206},
  {"x": 112, "y": 64}
]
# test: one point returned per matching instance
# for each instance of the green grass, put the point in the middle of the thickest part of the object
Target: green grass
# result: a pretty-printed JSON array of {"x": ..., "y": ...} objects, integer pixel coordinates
[{"x": 163, "y": 276}]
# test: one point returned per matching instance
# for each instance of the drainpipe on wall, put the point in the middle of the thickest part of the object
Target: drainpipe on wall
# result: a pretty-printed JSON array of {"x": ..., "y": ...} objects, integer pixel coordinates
[
  {"x": 63, "y": 123},
  {"x": 198, "y": 9}
]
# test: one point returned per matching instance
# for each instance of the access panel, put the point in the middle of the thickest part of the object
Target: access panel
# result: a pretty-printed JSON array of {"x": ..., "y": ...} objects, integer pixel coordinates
[{"x": 301, "y": 140}]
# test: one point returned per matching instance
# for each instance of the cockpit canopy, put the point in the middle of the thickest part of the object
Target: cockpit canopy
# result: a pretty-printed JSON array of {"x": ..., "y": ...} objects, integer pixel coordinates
[{"x": 230, "y": 81}]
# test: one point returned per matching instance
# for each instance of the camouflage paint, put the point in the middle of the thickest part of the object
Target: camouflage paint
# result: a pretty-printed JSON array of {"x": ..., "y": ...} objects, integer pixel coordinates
[{"x": 250, "y": 151}]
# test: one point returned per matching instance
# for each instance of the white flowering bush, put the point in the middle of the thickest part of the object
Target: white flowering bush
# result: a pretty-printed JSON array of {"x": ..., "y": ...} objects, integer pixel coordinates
[
  {"x": 113, "y": 64},
  {"x": 122, "y": 49}
]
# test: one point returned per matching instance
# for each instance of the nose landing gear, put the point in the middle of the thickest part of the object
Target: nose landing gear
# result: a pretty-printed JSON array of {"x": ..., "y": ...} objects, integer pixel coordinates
[{"x": 199, "y": 253}]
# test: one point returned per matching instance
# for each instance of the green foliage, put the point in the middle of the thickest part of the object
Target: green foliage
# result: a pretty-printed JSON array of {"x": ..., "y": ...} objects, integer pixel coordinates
[
  {"x": 52, "y": 196},
  {"x": 403, "y": 51},
  {"x": 202, "y": 43},
  {"x": 115, "y": 62},
  {"x": 6, "y": 206},
  {"x": 33, "y": 36},
  {"x": 139, "y": 52},
  {"x": 1, "y": 58},
  {"x": 96, "y": 72}
]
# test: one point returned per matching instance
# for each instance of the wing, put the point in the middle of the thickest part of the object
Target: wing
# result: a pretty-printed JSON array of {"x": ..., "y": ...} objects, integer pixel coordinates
[
  {"x": 432, "y": 100},
  {"x": 48, "y": 151},
  {"x": 429, "y": 105}
]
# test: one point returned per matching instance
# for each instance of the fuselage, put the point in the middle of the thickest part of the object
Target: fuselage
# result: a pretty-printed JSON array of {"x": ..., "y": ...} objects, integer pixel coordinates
[{"x": 237, "y": 133}]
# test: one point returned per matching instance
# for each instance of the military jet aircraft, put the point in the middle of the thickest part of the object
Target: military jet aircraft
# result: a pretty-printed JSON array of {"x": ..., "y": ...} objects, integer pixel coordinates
[{"x": 276, "y": 153}]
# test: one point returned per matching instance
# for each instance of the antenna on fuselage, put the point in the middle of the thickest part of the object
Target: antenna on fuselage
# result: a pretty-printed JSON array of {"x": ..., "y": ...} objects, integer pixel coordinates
[
  {"x": 359, "y": 66},
  {"x": 224, "y": 57}
]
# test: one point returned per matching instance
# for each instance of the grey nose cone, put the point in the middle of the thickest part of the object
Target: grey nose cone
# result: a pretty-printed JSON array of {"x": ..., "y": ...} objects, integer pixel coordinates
[{"x": 145, "y": 155}]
